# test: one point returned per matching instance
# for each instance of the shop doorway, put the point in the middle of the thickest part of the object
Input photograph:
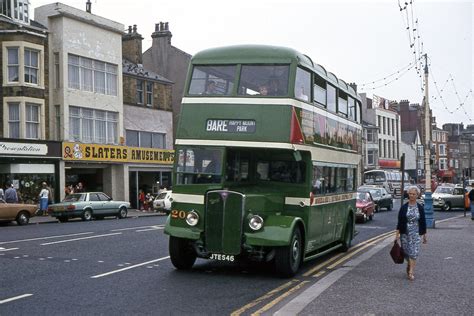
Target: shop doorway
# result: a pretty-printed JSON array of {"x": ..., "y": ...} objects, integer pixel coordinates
[
  {"x": 149, "y": 182},
  {"x": 91, "y": 178}
]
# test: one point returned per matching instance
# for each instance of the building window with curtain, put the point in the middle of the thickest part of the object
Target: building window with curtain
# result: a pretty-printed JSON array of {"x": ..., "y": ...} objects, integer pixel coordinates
[
  {"x": 14, "y": 120},
  {"x": 13, "y": 64},
  {"x": 31, "y": 66},
  {"x": 149, "y": 93},
  {"x": 145, "y": 139},
  {"x": 92, "y": 75},
  {"x": 140, "y": 91},
  {"x": 32, "y": 121},
  {"x": 93, "y": 126}
]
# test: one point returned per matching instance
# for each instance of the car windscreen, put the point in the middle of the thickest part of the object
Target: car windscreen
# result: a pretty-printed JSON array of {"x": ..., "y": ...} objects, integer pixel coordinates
[
  {"x": 74, "y": 197},
  {"x": 444, "y": 190}
]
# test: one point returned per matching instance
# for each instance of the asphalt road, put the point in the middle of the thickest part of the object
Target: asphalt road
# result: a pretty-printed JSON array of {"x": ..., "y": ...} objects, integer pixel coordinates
[{"x": 122, "y": 267}]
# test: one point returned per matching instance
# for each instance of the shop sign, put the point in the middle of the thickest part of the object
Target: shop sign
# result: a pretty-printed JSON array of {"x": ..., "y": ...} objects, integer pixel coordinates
[
  {"x": 111, "y": 153},
  {"x": 23, "y": 149},
  {"x": 389, "y": 163}
]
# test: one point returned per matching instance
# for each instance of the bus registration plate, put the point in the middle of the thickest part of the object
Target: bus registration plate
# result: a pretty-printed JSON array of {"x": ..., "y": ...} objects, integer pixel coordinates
[{"x": 221, "y": 257}]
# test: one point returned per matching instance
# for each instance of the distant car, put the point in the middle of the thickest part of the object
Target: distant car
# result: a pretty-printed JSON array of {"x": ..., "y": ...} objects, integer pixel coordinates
[
  {"x": 88, "y": 205},
  {"x": 381, "y": 197},
  {"x": 163, "y": 202},
  {"x": 21, "y": 213},
  {"x": 447, "y": 197},
  {"x": 365, "y": 206}
]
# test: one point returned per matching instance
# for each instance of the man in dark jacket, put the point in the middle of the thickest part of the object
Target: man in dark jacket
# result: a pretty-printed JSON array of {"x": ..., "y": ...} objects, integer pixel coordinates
[{"x": 10, "y": 195}]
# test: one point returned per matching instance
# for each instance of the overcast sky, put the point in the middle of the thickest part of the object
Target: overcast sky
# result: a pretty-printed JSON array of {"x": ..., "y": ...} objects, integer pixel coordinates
[{"x": 359, "y": 41}]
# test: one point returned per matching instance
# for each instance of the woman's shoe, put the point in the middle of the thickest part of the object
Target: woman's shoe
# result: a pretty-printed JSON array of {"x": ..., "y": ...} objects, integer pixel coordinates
[{"x": 411, "y": 277}]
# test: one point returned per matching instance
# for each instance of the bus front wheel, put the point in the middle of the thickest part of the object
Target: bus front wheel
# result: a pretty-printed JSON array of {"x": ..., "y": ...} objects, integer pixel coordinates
[
  {"x": 288, "y": 258},
  {"x": 181, "y": 253}
]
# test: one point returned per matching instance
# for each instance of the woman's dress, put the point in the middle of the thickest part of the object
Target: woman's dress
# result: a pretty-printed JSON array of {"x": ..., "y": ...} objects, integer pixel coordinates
[{"x": 411, "y": 240}]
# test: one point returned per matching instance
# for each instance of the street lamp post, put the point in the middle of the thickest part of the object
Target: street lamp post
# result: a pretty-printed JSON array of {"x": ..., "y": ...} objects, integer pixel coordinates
[{"x": 430, "y": 221}]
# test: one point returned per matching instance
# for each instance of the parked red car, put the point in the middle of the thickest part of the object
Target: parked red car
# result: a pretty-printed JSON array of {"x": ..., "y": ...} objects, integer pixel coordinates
[{"x": 365, "y": 207}]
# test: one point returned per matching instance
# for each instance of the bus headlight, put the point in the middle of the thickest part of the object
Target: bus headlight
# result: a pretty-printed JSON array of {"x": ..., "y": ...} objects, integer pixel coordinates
[
  {"x": 256, "y": 222},
  {"x": 192, "y": 218}
]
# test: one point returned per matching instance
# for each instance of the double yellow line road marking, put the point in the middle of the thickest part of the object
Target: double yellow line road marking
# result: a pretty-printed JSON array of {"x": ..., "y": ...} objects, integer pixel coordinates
[{"x": 294, "y": 285}]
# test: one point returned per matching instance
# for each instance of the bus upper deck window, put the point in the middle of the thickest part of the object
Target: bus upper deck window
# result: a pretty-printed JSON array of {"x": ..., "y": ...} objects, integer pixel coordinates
[
  {"x": 273, "y": 79},
  {"x": 212, "y": 80}
]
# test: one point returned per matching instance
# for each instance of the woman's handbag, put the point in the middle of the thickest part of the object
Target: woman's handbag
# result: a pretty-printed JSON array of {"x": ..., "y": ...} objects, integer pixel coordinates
[{"x": 397, "y": 253}]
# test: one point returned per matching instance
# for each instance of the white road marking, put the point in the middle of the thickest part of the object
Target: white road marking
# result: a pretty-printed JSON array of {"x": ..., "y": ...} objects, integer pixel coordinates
[
  {"x": 40, "y": 238},
  {"x": 128, "y": 268},
  {"x": 14, "y": 298},
  {"x": 4, "y": 249},
  {"x": 132, "y": 228},
  {"x": 76, "y": 239},
  {"x": 147, "y": 230}
]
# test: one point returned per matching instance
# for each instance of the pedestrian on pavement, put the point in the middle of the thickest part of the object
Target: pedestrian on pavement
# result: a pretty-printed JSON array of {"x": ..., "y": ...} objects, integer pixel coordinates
[
  {"x": 141, "y": 200},
  {"x": 471, "y": 198},
  {"x": 79, "y": 188},
  {"x": 44, "y": 198},
  {"x": 11, "y": 196},
  {"x": 2, "y": 194},
  {"x": 411, "y": 228}
]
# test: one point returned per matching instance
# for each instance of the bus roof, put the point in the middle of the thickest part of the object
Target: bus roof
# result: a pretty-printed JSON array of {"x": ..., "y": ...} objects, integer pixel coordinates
[{"x": 264, "y": 54}]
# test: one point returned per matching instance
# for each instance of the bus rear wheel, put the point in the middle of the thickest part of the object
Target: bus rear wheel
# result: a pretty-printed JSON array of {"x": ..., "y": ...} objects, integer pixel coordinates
[
  {"x": 181, "y": 253},
  {"x": 288, "y": 258}
]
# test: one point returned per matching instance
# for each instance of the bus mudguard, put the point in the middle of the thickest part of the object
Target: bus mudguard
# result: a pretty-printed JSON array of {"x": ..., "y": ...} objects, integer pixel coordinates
[{"x": 276, "y": 231}]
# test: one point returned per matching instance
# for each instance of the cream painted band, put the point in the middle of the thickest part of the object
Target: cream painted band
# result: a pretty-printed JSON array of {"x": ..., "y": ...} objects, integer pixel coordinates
[
  {"x": 333, "y": 155},
  {"x": 296, "y": 201},
  {"x": 188, "y": 198},
  {"x": 276, "y": 101}
]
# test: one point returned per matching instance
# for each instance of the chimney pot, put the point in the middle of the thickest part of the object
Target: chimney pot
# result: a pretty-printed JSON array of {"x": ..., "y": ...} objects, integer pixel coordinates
[
  {"x": 134, "y": 28},
  {"x": 162, "y": 26},
  {"x": 129, "y": 29},
  {"x": 166, "y": 26},
  {"x": 157, "y": 27}
]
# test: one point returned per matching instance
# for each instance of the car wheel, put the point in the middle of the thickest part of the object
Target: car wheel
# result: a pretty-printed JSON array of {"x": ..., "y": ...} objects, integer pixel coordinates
[
  {"x": 63, "y": 219},
  {"x": 348, "y": 233},
  {"x": 182, "y": 255},
  {"x": 122, "y": 213},
  {"x": 23, "y": 218},
  {"x": 86, "y": 215},
  {"x": 447, "y": 206},
  {"x": 288, "y": 258}
]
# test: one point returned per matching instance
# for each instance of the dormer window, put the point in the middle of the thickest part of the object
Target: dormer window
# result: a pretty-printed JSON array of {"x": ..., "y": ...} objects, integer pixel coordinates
[{"x": 17, "y": 10}]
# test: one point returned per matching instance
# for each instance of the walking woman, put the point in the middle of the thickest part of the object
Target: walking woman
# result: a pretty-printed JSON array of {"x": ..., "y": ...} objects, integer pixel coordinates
[
  {"x": 411, "y": 228},
  {"x": 44, "y": 199}
]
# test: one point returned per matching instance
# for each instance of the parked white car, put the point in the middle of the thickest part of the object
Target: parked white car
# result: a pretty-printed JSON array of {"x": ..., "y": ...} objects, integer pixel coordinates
[{"x": 163, "y": 202}]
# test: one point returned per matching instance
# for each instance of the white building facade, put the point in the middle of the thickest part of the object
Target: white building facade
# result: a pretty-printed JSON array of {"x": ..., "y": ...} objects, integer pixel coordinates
[{"x": 86, "y": 103}]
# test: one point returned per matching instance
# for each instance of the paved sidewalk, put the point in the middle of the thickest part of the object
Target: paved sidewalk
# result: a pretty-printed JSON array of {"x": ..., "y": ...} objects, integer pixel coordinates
[
  {"x": 131, "y": 213},
  {"x": 374, "y": 285}
]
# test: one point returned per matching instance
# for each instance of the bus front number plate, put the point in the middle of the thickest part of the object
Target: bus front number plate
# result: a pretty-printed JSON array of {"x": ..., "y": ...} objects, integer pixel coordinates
[{"x": 221, "y": 257}]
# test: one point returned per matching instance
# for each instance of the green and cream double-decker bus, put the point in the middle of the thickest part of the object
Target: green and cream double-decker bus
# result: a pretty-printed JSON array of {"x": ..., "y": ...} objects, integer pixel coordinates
[{"x": 268, "y": 152}]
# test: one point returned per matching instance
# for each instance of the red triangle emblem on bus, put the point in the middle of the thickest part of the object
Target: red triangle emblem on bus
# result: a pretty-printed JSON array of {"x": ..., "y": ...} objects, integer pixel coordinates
[{"x": 296, "y": 135}]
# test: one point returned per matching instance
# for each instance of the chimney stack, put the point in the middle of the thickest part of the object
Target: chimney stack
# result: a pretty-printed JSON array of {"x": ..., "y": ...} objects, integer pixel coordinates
[{"x": 132, "y": 45}]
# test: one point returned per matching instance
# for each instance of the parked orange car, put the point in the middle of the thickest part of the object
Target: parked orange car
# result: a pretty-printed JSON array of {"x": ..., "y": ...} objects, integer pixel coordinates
[{"x": 21, "y": 213}]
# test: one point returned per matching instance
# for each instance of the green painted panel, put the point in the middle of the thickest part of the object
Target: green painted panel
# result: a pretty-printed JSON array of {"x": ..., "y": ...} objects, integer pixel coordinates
[{"x": 269, "y": 125}]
